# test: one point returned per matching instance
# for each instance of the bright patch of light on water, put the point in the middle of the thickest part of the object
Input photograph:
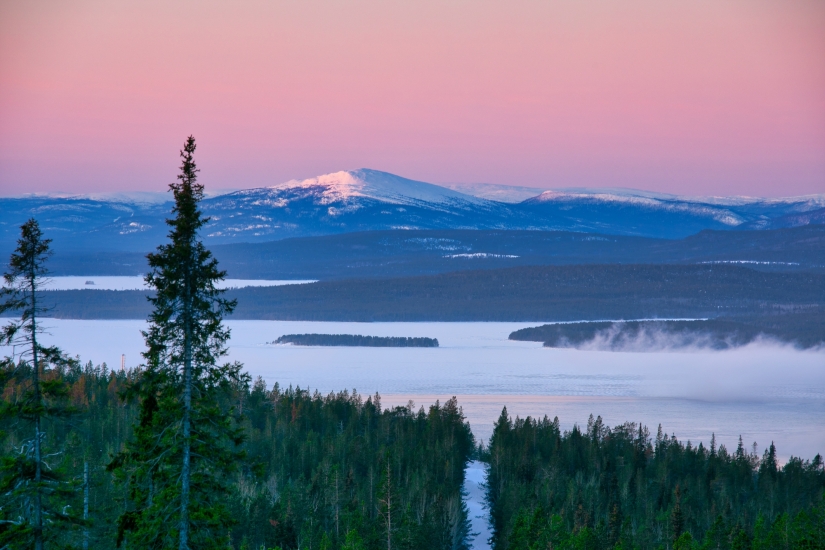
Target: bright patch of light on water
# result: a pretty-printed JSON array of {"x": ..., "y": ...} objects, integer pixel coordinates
[{"x": 137, "y": 283}]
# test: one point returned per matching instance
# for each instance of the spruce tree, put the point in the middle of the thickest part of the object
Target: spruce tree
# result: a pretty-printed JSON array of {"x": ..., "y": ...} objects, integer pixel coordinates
[
  {"x": 33, "y": 496},
  {"x": 185, "y": 445}
]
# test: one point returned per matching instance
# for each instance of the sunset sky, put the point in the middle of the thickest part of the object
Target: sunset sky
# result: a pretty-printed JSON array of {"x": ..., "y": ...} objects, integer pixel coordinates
[{"x": 699, "y": 97}]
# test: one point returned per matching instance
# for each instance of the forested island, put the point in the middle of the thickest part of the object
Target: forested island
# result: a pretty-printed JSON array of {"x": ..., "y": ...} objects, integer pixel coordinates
[
  {"x": 356, "y": 340},
  {"x": 803, "y": 329}
]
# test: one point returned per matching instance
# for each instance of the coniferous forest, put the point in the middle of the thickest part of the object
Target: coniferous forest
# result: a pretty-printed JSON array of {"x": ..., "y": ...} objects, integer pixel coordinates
[
  {"x": 188, "y": 452},
  {"x": 314, "y": 472},
  {"x": 622, "y": 488}
]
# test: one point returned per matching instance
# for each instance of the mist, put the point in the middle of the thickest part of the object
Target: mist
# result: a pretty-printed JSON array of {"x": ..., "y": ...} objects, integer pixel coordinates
[{"x": 762, "y": 391}]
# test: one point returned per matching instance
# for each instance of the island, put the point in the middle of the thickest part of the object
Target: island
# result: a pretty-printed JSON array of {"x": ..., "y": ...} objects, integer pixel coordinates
[{"x": 356, "y": 340}]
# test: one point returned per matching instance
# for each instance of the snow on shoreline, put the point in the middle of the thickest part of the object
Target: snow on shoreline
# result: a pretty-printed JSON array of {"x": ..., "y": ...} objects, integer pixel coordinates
[{"x": 96, "y": 282}]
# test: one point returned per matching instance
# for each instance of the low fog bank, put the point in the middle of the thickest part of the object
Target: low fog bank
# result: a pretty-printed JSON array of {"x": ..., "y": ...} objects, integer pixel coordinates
[
  {"x": 686, "y": 335},
  {"x": 649, "y": 340}
]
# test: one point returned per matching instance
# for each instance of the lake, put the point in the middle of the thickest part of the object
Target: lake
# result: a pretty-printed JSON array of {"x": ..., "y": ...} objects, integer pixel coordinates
[{"x": 764, "y": 392}]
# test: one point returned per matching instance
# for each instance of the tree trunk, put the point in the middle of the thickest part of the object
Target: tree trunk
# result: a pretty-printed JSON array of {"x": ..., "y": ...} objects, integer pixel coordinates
[
  {"x": 38, "y": 474},
  {"x": 336, "y": 505},
  {"x": 86, "y": 504},
  {"x": 187, "y": 429},
  {"x": 389, "y": 507}
]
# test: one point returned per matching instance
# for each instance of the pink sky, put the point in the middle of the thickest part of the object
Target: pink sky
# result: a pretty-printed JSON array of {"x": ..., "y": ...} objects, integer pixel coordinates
[{"x": 702, "y": 97}]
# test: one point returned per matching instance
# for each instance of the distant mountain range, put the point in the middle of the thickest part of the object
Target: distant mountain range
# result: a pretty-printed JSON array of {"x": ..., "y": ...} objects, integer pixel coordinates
[{"x": 368, "y": 200}]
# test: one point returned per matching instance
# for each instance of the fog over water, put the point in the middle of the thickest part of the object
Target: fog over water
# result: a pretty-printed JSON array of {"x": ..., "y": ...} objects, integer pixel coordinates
[{"x": 765, "y": 392}]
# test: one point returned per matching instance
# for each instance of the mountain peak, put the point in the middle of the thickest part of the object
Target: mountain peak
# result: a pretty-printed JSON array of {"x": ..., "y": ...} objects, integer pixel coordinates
[{"x": 374, "y": 184}]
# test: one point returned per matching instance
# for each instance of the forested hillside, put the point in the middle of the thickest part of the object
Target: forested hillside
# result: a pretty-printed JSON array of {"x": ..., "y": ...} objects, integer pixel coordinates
[
  {"x": 599, "y": 487},
  {"x": 329, "y": 471},
  {"x": 540, "y": 293},
  {"x": 398, "y": 253}
]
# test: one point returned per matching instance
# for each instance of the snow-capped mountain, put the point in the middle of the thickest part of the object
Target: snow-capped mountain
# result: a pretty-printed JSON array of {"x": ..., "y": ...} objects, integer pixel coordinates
[
  {"x": 366, "y": 200},
  {"x": 358, "y": 200},
  {"x": 372, "y": 184}
]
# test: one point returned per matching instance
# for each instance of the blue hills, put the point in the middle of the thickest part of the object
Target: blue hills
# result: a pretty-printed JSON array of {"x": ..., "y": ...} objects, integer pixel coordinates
[{"x": 369, "y": 200}]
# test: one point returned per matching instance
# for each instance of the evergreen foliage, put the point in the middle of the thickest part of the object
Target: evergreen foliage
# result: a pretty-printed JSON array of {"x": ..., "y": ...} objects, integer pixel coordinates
[
  {"x": 342, "y": 473},
  {"x": 33, "y": 493},
  {"x": 315, "y": 472},
  {"x": 620, "y": 488},
  {"x": 185, "y": 445}
]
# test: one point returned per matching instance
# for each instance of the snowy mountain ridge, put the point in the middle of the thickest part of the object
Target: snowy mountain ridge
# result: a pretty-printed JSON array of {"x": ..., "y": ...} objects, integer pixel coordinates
[
  {"x": 369, "y": 200},
  {"x": 619, "y": 194},
  {"x": 376, "y": 185}
]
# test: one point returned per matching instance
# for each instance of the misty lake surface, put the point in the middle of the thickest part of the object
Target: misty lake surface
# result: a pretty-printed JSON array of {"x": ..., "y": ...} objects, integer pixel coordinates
[{"x": 764, "y": 392}]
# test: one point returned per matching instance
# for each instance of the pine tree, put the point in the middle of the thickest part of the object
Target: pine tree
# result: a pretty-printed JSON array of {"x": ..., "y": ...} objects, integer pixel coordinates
[
  {"x": 677, "y": 517},
  {"x": 386, "y": 503},
  {"x": 34, "y": 495},
  {"x": 185, "y": 445}
]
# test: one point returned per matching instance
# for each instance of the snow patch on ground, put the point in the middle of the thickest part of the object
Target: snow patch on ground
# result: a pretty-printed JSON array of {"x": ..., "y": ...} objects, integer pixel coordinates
[
  {"x": 95, "y": 282},
  {"x": 475, "y": 476},
  {"x": 753, "y": 262},
  {"x": 480, "y": 255}
]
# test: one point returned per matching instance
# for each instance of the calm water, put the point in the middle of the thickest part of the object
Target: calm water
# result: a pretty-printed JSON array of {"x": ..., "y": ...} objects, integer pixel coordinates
[{"x": 763, "y": 392}]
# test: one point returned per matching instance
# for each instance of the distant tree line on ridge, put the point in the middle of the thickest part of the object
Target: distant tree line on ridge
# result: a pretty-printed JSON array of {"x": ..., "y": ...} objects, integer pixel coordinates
[{"x": 788, "y": 305}]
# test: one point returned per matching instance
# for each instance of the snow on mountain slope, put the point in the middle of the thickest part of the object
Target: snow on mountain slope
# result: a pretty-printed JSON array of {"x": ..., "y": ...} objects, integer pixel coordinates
[
  {"x": 139, "y": 198},
  {"x": 730, "y": 211},
  {"x": 502, "y": 193},
  {"x": 619, "y": 194},
  {"x": 364, "y": 183},
  {"x": 357, "y": 200},
  {"x": 367, "y": 200},
  {"x": 795, "y": 219},
  {"x": 645, "y": 202}
]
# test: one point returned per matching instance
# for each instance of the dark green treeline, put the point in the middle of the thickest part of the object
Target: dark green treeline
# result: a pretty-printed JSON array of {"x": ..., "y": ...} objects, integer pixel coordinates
[
  {"x": 620, "y": 488},
  {"x": 321, "y": 472}
]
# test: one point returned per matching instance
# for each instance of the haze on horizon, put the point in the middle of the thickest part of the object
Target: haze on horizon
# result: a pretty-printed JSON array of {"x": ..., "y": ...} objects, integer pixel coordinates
[{"x": 691, "y": 98}]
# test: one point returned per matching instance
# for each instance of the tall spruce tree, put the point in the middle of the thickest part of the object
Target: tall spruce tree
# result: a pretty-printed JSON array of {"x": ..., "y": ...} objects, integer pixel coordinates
[
  {"x": 185, "y": 446},
  {"x": 33, "y": 496}
]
